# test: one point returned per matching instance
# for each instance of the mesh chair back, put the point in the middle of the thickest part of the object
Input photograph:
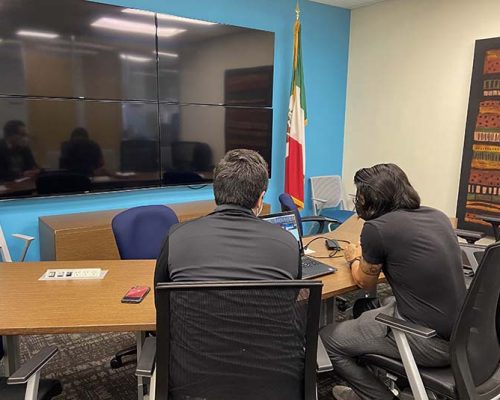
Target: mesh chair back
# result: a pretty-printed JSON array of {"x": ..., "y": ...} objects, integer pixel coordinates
[
  {"x": 287, "y": 204},
  {"x": 237, "y": 340},
  {"x": 475, "y": 346},
  {"x": 140, "y": 231},
  {"x": 327, "y": 192},
  {"x": 191, "y": 156},
  {"x": 139, "y": 155}
]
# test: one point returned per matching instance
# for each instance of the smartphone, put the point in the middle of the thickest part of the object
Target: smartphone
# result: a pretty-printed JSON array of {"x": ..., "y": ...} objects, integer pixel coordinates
[{"x": 136, "y": 294}]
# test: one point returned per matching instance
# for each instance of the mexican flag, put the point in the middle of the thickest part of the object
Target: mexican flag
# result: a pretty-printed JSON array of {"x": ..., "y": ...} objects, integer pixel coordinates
[{"x": 295, "y": 161}]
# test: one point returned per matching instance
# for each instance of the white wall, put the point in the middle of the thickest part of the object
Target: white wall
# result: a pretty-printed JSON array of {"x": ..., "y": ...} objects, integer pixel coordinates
[{"x": 410, "y": 64}]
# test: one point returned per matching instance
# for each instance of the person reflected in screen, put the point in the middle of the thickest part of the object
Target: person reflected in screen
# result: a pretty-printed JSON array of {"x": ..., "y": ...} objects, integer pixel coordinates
[
  {"x": 417, "y": 250},
  {"x": 16, "y": 158},
  {"x": 81, "y": 154}
]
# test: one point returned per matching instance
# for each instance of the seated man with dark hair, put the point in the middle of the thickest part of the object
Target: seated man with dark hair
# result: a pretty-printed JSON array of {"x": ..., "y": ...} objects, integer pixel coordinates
[
  {"x": 81, "y": 154},
  {"x": 16, "y": 158},
  {"x": 231, "y": 243},
  {"x": 417, "y": 250}
]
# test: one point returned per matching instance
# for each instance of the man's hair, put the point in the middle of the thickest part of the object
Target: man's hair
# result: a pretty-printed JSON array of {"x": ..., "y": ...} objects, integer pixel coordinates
[
  {"x": 381, "y": 189},
  {"x": 11, "y": 128},
  {"x": 79, "y": 133},
  {"x": 239, "y": 178}
]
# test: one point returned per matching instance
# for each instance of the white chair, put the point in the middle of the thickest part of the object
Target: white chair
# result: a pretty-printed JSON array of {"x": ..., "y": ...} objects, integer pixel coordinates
[
  {"x": 328, "y": 197},
  {"x": 4, "y": 249}
]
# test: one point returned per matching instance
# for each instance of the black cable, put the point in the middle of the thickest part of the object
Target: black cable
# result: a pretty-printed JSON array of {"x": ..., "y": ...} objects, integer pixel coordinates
[
  {"x": 332, "y": 255},
  {"x": 326, "y": 238},
  {"x": 319, "y": 237}
]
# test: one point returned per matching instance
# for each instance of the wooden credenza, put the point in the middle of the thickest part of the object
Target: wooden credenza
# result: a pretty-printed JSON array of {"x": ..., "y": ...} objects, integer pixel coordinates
[{"x": 88, "y": 235}]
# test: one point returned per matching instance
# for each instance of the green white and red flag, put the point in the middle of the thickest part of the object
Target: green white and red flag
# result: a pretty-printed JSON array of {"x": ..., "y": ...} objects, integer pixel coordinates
[{"x": 295, "y": 161}]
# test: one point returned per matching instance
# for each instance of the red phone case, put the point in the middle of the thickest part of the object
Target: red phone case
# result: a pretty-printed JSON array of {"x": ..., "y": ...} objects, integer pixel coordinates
[{"x": 135, "y": 294}]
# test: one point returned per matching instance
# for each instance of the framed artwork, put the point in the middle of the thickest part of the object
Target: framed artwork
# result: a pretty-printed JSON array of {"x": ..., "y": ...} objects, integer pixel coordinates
[{"x": 479, "y": 191}]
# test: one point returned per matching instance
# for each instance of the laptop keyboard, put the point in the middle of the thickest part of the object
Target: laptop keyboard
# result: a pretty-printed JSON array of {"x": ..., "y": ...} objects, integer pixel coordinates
[{"x": 312, "y": 268}]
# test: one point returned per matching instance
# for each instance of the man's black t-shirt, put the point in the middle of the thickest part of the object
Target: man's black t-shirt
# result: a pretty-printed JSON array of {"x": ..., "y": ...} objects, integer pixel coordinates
[
  {"x": 421, "y": 260},
  {"x": 229, "y": 244}
]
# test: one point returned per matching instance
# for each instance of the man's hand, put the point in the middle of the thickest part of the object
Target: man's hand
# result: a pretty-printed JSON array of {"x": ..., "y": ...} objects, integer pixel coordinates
[{"x": 351, "y": 252}]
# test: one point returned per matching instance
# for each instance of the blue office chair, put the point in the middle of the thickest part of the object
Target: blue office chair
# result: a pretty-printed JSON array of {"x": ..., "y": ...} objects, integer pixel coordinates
[
  {"x": 139, "y": 233},
  {"x": 324, "y": 223}
]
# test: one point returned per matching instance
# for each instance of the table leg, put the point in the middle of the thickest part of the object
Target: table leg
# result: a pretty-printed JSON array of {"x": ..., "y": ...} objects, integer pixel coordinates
[
  {"x": 328, "y": 311},
  {"x": 12, "y": 357},
  {"x": 495, "y": 231},
  {"x": 140, "y": 337}
]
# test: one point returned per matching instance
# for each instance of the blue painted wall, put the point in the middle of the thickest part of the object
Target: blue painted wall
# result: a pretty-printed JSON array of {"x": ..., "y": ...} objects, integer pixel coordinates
[{"x": 325, "y": 41}]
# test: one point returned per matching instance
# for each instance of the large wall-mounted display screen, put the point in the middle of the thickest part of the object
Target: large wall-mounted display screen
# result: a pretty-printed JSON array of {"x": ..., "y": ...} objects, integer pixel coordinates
[{"x": 96, "y": 97}]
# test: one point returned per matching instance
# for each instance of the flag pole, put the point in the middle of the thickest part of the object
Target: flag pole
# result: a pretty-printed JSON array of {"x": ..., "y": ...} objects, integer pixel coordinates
[{"x": 297, "y": 120}]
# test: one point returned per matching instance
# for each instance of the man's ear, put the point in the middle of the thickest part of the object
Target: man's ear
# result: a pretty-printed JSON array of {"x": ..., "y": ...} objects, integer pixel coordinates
[{"x": 260, "y": 202}]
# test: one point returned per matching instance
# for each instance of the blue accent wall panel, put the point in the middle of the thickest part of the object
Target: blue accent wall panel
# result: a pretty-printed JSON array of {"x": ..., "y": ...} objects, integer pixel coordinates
[{"x": 325, "y": 42}]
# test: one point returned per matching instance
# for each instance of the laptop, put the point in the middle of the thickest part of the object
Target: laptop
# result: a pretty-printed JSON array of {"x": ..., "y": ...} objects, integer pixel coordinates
[{"x": 311, "y": 268}]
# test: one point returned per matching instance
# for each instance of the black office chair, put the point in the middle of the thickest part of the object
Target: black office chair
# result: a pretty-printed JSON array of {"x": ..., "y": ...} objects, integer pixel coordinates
[
  {"x": 26, "y": 384},
  {"x": 474, "y": 346},
  {"x": 139, "y": 155},
  {"x": 62, "y": 182},
  {"x": 139, "y": 233},
  {"x": 234, "y": 340},
  {"x": 191, "y": 156}
]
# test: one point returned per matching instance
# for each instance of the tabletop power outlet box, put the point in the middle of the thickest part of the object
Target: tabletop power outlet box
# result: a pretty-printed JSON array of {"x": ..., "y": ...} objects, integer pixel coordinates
[{"x": 332, "y": 244}]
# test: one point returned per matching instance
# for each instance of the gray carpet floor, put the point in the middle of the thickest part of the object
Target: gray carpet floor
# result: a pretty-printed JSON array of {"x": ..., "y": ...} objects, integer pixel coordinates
[{"x": 82, "y": 364}]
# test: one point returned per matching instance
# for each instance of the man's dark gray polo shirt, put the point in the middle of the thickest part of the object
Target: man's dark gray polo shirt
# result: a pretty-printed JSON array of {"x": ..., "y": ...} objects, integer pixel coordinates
[{"x": 231, "y": 243}]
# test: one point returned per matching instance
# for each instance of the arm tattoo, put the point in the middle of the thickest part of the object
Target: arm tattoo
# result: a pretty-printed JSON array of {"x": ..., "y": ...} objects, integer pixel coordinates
[{"x": 370, "y": 269}]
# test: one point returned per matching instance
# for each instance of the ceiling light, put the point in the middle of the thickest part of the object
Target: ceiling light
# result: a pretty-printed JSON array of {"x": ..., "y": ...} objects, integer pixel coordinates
[
  {"x": 38, "y": 34},
  {"x": 136, "y": 27},
  {"x": 164, "y": 53},
  {"x": 131, "y": 57},
  {"x": 138, "y": 12},
  {"x": 167, "y": 17},
  {"x": 168, "y": 32}
]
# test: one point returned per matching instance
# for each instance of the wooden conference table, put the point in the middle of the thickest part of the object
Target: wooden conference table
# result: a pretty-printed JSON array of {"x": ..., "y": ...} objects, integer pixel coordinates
[{"x": 29, "y": 306}]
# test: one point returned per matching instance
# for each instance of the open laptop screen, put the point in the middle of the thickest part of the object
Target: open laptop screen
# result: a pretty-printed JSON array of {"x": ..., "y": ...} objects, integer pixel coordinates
[{"x": 287, "y": 221}]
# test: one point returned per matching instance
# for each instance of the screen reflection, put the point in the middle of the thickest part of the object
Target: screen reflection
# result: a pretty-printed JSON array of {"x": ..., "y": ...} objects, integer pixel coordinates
[{"x": 113, "y": 144}]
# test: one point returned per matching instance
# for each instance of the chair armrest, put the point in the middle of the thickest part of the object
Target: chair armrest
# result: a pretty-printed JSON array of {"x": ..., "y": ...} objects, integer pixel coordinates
[
  {"x": 323, "y": 361},
  {"x": 27, "y": 241},
  {"x": 489, "y": 218},
  {"x": 469, "y": 236},
  {"x": 32, "y": 366},
  {"x": 320, "y": 219},
  {"x": 26, "y": 238},
  {"x": 405, "y": 326},
  {"x": 146, "y": 362}
]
